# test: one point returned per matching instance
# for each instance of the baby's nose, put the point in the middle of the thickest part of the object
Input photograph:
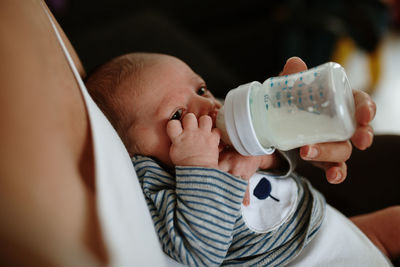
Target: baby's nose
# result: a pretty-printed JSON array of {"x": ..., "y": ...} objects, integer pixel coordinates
[
  {"x": 211, "y": 109},
  {"x": 204, "y": 106}
]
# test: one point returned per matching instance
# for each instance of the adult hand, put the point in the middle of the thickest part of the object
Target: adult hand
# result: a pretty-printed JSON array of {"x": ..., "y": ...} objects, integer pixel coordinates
[{"x": 332, "y": 156}]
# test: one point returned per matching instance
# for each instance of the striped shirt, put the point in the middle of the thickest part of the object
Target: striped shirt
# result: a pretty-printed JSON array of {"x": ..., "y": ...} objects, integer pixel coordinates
[{"x": 196, "y": 214}]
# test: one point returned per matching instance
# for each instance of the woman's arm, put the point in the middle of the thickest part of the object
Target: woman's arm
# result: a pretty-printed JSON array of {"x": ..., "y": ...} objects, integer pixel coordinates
[{"x": 47, "y": 209}]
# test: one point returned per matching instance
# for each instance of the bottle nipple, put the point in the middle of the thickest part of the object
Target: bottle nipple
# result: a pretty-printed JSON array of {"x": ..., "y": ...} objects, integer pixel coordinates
[{"x": 220, "y": 124}]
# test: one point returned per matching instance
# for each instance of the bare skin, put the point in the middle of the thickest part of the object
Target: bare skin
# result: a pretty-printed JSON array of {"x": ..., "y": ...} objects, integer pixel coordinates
[
  {"x": 47, "y": 203},
  {"x": 46, "y": 156},
  {"x": 383, "y": 229}
]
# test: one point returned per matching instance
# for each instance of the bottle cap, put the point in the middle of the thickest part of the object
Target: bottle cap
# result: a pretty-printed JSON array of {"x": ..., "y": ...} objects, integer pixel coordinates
[{"x": 238, "y": 122}]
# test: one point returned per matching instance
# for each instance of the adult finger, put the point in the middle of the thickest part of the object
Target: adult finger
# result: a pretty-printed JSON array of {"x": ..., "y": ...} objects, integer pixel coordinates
[
  {"x": 293, "y": 65},
  {"x": 174, "y": 129},
  {"x": 336, "y": 173},
  {"x": 327, "y": 152},
  {"x": 365, "y": 107},
  {"x": 363, "y": 137}
]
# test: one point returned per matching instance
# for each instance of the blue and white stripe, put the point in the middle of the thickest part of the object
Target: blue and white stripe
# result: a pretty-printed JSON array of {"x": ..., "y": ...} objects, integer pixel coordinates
[{"x": 196, "y": 214}]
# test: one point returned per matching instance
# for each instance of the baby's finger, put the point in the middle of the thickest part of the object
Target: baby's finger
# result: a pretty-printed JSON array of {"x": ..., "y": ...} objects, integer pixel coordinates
[
  {"x": 327, "y": 152},
  {"x": 189, "y": 121},
  {"x": 205, "y": 122},
  {"x": 216, "y": 133},
  {"x": 223, "y": 165},
  {"x": 246, "y": 199},
  {"x": 363, "y": 137},
  {"x": 174, "y": 129}
]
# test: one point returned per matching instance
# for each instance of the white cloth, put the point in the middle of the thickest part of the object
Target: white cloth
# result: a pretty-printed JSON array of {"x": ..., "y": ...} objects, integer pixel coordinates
[
  {"x": 125, "y": 221},
  {"x": 340, "y": 243}
]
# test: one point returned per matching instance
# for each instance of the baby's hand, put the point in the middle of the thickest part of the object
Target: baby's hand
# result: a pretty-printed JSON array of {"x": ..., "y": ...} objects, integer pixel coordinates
[
  {"x": 245, "y": 166},
  {"x": 194, "y": 143},
  {"x": 238, "y": 165}
]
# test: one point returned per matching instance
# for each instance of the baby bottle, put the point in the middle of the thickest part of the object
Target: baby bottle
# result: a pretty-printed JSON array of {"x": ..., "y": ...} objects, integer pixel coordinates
[{"x": 289, "y": 111}]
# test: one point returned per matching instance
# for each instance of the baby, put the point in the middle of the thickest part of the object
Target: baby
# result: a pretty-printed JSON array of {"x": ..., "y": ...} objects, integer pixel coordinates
[{"x": 194, "y": 186}]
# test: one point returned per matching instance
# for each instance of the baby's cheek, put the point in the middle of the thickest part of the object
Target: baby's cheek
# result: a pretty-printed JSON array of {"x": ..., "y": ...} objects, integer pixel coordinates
[{"x": 151, "y": 141}]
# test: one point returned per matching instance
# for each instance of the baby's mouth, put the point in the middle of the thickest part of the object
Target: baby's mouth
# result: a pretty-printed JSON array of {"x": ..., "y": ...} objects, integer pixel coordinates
[{"x": 213, "y": 115}]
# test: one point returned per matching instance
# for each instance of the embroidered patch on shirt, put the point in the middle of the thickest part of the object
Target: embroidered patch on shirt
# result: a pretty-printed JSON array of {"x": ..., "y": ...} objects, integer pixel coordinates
[{"x": 272, "y": 201}]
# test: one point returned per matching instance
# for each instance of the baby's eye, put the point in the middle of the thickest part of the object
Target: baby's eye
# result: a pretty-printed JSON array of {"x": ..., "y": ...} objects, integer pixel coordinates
[
  {"x": 177, "y": 115},
  {"x": 202, "y": 91}
]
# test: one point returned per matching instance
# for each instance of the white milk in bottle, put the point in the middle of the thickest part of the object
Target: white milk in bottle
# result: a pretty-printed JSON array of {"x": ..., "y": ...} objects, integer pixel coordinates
[{"x": 289, "y": 111}]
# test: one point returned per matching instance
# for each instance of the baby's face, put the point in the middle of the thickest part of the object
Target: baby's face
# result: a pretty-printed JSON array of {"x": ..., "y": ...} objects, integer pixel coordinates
[{"x": 169, "y": 89}]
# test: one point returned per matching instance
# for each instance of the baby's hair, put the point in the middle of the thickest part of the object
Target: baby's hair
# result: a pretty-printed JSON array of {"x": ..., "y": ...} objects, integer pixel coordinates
[{"x": 107, "y": 86}]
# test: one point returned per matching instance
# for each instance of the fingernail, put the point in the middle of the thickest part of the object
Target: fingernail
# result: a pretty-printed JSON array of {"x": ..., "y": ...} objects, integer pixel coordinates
[
  {"x": 371, "y": 138},
  {"x": 371, "y": 133},
  {"x": 291, "y": 58},
  {"x": 336, "y": 177},
  {"x": 367, "y": 140},
  {"x": 371, "y": 110},
  {"x": 312, "y": 152}
]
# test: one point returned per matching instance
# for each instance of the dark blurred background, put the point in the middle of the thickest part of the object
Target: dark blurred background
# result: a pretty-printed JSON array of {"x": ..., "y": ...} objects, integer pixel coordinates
[
  {"x": 234, "y": 42},
  {"x": 226, "y": 42},
  {"x": 231, "y": 43}
]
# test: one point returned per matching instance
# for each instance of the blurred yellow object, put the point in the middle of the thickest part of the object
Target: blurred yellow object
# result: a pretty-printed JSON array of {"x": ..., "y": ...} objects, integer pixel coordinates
[{"x": 343, "y": 50}]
